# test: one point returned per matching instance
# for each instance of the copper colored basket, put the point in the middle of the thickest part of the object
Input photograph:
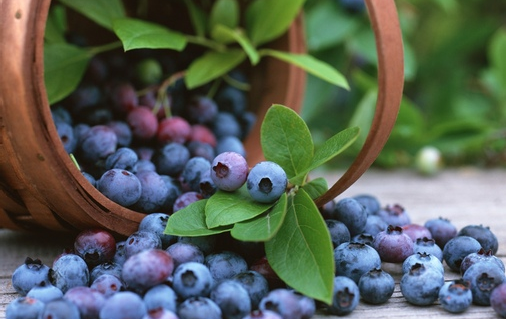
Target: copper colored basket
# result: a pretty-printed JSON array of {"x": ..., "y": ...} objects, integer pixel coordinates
[{"x": 40, "y": 187}]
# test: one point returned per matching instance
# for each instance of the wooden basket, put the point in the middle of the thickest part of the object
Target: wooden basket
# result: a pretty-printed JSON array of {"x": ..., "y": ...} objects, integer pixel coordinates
[{"x": 42, "y": 190}]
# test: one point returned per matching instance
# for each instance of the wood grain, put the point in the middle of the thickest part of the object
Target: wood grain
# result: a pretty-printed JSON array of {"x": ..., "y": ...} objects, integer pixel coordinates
[{"x": 465, "y": 196}]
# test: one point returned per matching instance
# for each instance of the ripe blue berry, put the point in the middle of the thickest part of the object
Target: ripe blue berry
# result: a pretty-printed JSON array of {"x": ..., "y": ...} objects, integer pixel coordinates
[
  {"x": 29, "y": 274},
  {"x": 225, "y": 265},
  {"x": 182, "y": 252},
  {"x": 45, "y": 292},
  {"x": 393, "y": 245},
  {"x": 283, "y": 301},
  {"x": 171, "y": 159},
  {"x": 394, "y": 215},
  {"x": 427, "y": 260},
  {"x": 455, "y": 296},
  {"x": 483, "y": 235},
  {"x": 108, "y": 285},
  {"x": 232, "y": 298},
  {"x": 123, "y": 158},
  {"x": 266, "y": 182},
  {"x": 60, "y": 309},
  {"x": 120, "y": 186},
  {"x": 420, "y": 285},
  {"x": 481, "y": 256},
  {"x": 88, "y": 300},
  {"x": 457, "y": 248},
  {"x": 69, "y": 271},
  {"x": 198, "y": 308},
  {"x": 376, "y": 286},
  {"x": 160, "y": 296},
  {"x": 24, "y": 308},
  {"x": 141, "y": 240},
  {"x": 110, "y": 268},
  {"x": 192, "y": 279},
  {"x": 230, "y": 144},
  {"x": 442, "y": 230},
  {"x": 339, "y": 233},
  {"x": 353, "y": 260},
  {"x": 415, "y": 231},
  {"x": 498, "y": 300},
  {"x": 194, "y": 171},
  {"x": 429, "y": 246},
  {"x": 371, "y": 203},
  {"x": 156, "y": 223},
  {"x": 352, "y": 213},
  {"x": 255, "y": 284},
  {"x": 483, "y": 277},
  {"x": 146, "y": 269},
  {"x": 229, "y": 171},
  {"x": 154, "y": 192},
  {"x": 123, "y": 305},
  {"x": 263, "y": 314},
  {"x": 345, "y": 298},
  {"x": 374, "y": 225}
]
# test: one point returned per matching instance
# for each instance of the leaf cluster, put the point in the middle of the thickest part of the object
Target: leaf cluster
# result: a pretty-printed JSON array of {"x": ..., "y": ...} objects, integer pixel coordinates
[
  {"x": 297, "y": 242},
  {"x": 229, "y": 34}
]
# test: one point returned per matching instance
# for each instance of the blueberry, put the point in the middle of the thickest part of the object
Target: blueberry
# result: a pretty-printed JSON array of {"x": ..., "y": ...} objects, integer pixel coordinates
[
  {"x": 69, "y": 271},
  {"x": 186, "y": 199},
  {"x": 371, "y": 203},
  {"x": 480, "y": 256},
  {"x": 144, "y": 165},
  {"x": 110, "y": 268},
  {"x": 376, "y": 286},
  {"x": 192, "y": 279},
  {"x": 173, "y": 129},
  {"x": 229, "y": 171},
  {"x": 226, "y": 124},
  {"x": 363, "y": 238},
  {"x": 201, "y": 149},
  {"x": 374, "y": 225},
  {"x": 160, "y": 296},
  {"x": 207, "y": 187},
  {"x": 483, "y": 278},
  {"x": 45, "y": 292},
  {"x": 171, "y": 159},
  {"x": 108, "y": 284},
  {"x": 123, "y": 158},
  {"x": 207, "y": 244},
  {"x": 143, "y": 123},
  {"x": 455, "y": 296},
  {"x": 307, "y": 306},
  {"x": 154, "y": 192},
  {"x": 146, "y": 269},
  {"x": 394, "y": 215},
  {"x": 352, "y": 213},
  {"x": 120, "y": 186},
  {"x": 263, "y": 314},
  {"x": 255, "y": 284},
  {"x": 393, "y": 245},
  {"x": 120, "y": 255},
  {"x": 230, "y": 144},
  {"x": 88, "y": 300},
  {"x": 266, "y": 182},
  {"x": 174, "y": 191},
  {"x": 203, "y": 134},
  {"x": 97, "y": 143},
  {"x": 29, "y": 274},
  {"x": 231, "y": 99},
  {"x": 442, "y": 230},
  {"x": 283, "y": 301},
  {"x": 141, "y": 240},
  {"x": 123, "y": 305},
  {"x": 60, "y": 309},
  {"x": 427, "y": 260},
  {"x": 160, "y": 313},
  {"x": 156, "y": 223},
  {"x": 24, "y": 308},
  {"x": 66, "y": 134},
  {"x": 483, "y": 235},
  {"x": 232, "y": 298},
  {"x": 428, "y": 245},
  {"x": 194, "y": 171},
  {"x": 198, "y": 308},
  {"x": 339, "y": 233},
  {"x": 415, "y": 231},
  {"x": 182, "y": 252},
  {"x": 353, "y": 260},
  {"x": 420, "y": 285},
  {"x": 225, "y": 265},
  {"x": 345, "y": 296},
  {"x": 457, "y": 248},
  {"x": 498, "y": 300},
  {"x": 122, "y": 131},
  {"x": 95, "y": 246},
  {"x": 90, "y": 178},
  {"x": 202, "y": 110}
]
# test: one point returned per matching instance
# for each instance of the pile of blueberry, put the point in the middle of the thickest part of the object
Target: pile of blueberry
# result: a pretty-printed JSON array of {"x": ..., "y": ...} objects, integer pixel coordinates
[
  {"x": 141, "y": 137},
  {"x": 152, "y": 275}
]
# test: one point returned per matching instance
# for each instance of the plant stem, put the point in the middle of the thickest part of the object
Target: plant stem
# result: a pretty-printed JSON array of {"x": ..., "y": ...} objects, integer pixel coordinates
[
  {"x": 105, "y": 47},
  {"x": 206, "y": 43}
]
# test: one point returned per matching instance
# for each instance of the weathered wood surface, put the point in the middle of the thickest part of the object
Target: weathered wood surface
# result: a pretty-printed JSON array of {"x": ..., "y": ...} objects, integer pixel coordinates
[{"x": 465, "y": 196}]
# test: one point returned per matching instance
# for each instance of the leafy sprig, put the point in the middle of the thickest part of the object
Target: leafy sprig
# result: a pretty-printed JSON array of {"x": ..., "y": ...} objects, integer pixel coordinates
[
  {"x": 297, "y": 241},
  {"x": 227, "y": 41}
]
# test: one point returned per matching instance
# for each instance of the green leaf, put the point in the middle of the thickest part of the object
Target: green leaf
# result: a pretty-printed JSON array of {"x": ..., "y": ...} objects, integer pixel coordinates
[
  {"x": 64, "y": 67},
  {"x": 266, "y": 20},
  {"x": 103, "y": 12},
  {"x": 364, "y": 114},
  {"x": 198, "y": 18},
  {"x": 212, "y": 65},
  {"x": 311, "y": 65},
  {"x": 56, "y": 25},
  {"x": 226, "y": 208},
  {"x": 334, "y": 146},
  {"x": 264, "y": 226},
  {"x": 301, "y": 252},
  {"x": 139, "y": 34},
  {"x": 224, "y": 12},
  {"x": 286, "y": 140},
  {"x": 496, "y": 53},
  {"x": 225, "y": 34},
  {"x": 316, "y": 187},
  {"x": 190, "y": 222}
]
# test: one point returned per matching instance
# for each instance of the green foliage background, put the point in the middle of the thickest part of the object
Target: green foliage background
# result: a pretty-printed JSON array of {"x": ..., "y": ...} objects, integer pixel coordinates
[{"x": 455, "y": 72}]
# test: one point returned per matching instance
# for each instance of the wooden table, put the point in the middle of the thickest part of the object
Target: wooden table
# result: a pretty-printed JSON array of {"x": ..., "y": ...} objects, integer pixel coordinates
[{"x": 465, "y": 196}]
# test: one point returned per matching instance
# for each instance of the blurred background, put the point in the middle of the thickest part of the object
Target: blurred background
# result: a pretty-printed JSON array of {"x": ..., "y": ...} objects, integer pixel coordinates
[{"x": 454, "y": 103}]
